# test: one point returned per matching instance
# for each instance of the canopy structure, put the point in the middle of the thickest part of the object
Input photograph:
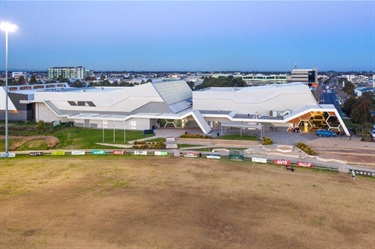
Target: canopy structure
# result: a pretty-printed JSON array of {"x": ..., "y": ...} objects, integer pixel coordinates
[{"x": 242, "y": 127}]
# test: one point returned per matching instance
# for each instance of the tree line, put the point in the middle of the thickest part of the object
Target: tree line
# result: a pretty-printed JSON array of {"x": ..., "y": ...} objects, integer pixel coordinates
[{"x": 358, "y": 109}]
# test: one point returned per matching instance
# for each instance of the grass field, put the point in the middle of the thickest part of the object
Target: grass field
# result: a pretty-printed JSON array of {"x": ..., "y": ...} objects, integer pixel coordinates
[
  {"x": 64, "y": 137},
  {"x": 153, "y": 202}
]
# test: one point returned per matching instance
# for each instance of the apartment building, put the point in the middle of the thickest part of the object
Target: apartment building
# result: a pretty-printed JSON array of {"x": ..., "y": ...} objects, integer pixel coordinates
[{"x": 67, "y": 72}]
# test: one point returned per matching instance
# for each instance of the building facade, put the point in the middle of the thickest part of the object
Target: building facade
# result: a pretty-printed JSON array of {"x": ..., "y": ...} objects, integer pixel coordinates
[
  {"x": 307, "y": 76},
  {"x": 261, "y": 79},
  {"x": 173, "y": 104},
  {"x": 67, "y": 72}
]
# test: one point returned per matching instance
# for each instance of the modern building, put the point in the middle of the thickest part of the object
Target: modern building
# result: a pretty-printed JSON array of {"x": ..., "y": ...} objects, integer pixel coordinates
[
  {"x": 173, "y": 104},
  {"x": 67, "y": 72},
  {"x": 18, "y": 75},
  {"x": 261, "y": 79},
  {"x": 307, "y": 76}
]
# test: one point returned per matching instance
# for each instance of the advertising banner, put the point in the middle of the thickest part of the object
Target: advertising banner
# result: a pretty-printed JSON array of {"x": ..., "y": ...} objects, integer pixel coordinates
[
  {"x": 140, "y": 152},
  {"x": 58, "y": 153},
  {"x": 305, "y": 164},
  {"x": 364, "y": 173},
  {"x": 190, "y": 154},
  {"x": 259, "y": 160},
  {"x": 78, "y": 152},
  {"x": 99, "y": 152},
  {"x": 161, "y": 153},
  {"x": 10, "y": 154},
  {"x": 36, "y": 153},
  {"x": 213, "y": 156},
  {"x": 118, "y": 152},
  {"x": 281, "y": 161}
]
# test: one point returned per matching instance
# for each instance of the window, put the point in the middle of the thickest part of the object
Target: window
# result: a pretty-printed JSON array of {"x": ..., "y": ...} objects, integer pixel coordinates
[{"x": 90, "y": 103}]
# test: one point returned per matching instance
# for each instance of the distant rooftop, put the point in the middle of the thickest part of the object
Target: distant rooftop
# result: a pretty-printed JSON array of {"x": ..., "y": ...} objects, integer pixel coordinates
[{"x": 251, "y": 88}]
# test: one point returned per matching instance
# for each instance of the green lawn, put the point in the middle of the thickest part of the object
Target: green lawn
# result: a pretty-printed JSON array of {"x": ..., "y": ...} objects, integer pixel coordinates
[{"x": 68, "y": 136}]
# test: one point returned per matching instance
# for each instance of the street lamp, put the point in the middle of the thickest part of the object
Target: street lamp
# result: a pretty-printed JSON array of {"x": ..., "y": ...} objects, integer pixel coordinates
[{"x": 6, "y": 27}]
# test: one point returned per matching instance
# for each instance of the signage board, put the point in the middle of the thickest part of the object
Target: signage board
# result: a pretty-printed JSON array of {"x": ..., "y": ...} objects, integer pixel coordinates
[
  {"x": 281, "y": 161},
  {"x": 78, "y": 152},
  {"x": 258, "y": 160},
  {"x": 58, "y": 153},
  {"x": 10, "y": 154},
  {"x": 364, "y": 173},
  {"x": 161, "y": 153},
  {"x": 213, "y": 156},
  {"x": 36, "y": 153},
  {"x": 99, "y": 152},
  {"x": 190, "y": 154},
  {"x": 305, "y": 164},
  {"x": 118, "y": 152},
  {"x": 140, "y": 152}
]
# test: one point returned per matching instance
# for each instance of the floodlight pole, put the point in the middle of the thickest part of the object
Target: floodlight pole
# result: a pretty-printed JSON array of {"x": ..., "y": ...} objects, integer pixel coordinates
[
  {"x": 6, "y": 27},
  {"x": 6, "y": 96}
]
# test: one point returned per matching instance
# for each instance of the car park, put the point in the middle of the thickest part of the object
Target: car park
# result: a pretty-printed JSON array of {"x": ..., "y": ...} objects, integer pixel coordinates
[{"x": 325, "y": 133}]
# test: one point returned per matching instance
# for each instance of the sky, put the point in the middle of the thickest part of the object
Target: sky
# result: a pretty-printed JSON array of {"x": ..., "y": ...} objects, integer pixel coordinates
[{"x": 190, "y": 35}]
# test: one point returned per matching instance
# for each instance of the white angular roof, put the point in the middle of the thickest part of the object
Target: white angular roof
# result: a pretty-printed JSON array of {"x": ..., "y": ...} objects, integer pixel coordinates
[{"x": 260, "y": 99}]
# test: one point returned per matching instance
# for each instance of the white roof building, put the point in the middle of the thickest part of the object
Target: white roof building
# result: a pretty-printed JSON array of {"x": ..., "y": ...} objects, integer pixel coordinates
[{"x": 173, "y": 104}]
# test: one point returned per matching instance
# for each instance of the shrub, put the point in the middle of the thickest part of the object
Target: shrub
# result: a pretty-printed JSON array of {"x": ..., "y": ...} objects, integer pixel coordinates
[
  {"x": 306, "y": 149},
  {"x": 148, "y": 145},
  {"x": 139, "y": 142},
  {"x": 40, "y": 126},
  {"x": 267, "y": 141},
  {"x": 186, "y": 135}
]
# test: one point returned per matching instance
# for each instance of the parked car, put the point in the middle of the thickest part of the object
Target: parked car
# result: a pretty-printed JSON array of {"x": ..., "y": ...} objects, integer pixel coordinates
[
  {"x": 325, "y": 133},
  {"x": 372, "y": 133}
]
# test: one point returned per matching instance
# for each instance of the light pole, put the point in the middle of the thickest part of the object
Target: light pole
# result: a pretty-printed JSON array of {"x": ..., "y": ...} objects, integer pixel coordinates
[{"x": 6, "y": 27}]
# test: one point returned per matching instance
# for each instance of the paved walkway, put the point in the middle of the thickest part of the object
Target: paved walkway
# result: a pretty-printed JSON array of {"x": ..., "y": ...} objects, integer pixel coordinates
[{"x": 284, "y": 138}]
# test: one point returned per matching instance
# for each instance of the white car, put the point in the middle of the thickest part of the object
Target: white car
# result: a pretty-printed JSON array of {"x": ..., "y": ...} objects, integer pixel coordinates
[{"x": 372, "y": 133}]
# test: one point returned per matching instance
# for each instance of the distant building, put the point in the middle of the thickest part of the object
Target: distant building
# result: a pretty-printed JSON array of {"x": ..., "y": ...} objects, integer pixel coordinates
[
  {"x": 67, "y": 72},
  {"x": 18, "y": 75},
  {"x": 261, "y": 79},
  {"x": 307, "y": 76}
]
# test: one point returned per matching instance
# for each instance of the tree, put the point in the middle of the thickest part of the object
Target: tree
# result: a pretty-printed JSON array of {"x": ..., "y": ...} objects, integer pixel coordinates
[
  {"x": 77, "y": 83},
  {"x": 12, "y": 82},
  {"x": 105, "y": 83},
  {"x": 33, "y": 80},
  {"x": 40, "y": 126},
  {"x": 21, "y": 80},
  {"x": 349, "y": 88},
  {"x": 191, "y": 84},
  {"x": 62, "y": 79},
  {"x": 348, "y": 106},
  {"x": 361, "y": 111},
  {"x": 369, "y": 96},
  {"x": 230, "y": 81}
]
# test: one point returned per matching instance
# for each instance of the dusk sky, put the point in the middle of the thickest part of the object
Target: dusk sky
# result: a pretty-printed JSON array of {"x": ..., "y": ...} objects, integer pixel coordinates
[{"x": 190, "y": 35}]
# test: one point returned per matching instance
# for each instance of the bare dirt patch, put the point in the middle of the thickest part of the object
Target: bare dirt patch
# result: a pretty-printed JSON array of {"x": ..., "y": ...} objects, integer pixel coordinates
[
  {"x": 353, "y": 152},
  {"x": 138, "y": 202},
  {"x": 50, "y": 141}
]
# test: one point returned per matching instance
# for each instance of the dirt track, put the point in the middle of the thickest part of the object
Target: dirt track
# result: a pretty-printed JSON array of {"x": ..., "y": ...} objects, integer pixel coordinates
[
  {"x": 114, "y": 202},
  {"x": 352, "y": 151}
]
